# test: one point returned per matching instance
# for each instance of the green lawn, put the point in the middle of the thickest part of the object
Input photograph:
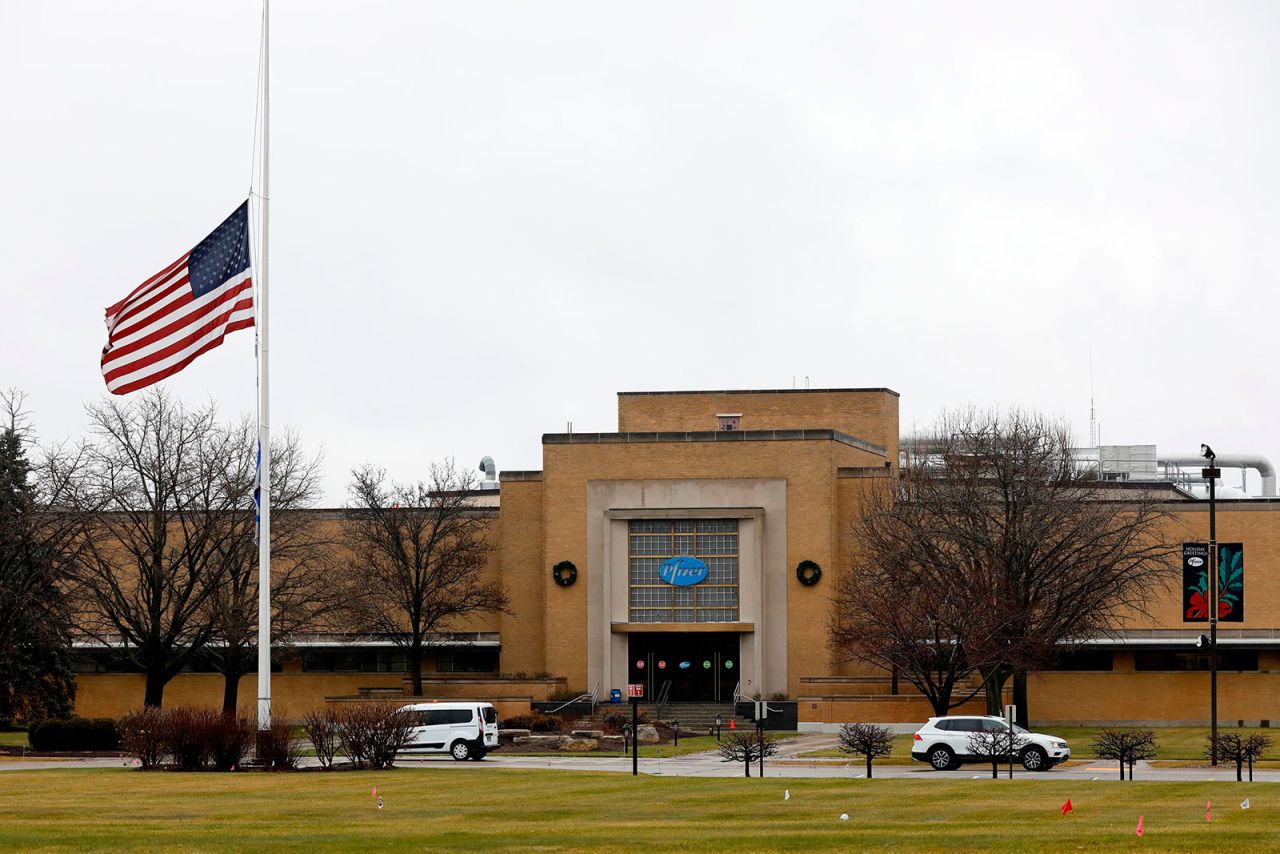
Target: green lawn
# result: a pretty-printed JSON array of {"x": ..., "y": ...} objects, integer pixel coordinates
[
  {"x": 485, "y": 809},
  {"x": 13, "y": 738},
  {"x": 1174, "y": 743}
]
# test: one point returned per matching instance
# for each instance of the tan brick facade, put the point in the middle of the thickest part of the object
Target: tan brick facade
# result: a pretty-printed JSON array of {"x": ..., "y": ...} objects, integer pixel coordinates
[{"x": 796, "y": 473}]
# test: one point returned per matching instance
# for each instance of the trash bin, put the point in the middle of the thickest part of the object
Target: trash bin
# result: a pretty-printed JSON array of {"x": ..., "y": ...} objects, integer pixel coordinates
[{"x": 615, "y": 695}]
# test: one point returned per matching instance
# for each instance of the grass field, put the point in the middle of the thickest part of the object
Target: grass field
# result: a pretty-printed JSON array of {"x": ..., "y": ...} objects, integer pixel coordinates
[
  {"x": 495, "y": 809},
  {"x": 13, "y": 738},
  {"x": 1174, "y": 743}
]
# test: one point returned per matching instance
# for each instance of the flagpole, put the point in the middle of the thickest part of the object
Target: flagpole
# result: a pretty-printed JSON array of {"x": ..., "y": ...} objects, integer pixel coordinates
[{"x": 264, "y": 399}]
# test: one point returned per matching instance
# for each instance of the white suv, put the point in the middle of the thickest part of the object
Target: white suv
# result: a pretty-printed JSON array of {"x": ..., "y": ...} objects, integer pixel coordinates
[{"x": 944, "y": 743}]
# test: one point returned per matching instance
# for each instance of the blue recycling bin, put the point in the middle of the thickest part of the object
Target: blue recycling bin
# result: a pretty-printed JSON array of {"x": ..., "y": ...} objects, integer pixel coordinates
[{"x": 615, "y": 695}]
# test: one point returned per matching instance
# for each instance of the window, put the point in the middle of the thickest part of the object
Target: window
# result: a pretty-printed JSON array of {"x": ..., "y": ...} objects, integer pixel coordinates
[
  {"x": 467, "y": 660},
  {"x": 347, "y": 660},
  {"x": 439, "y": 717},
  {"x": 490, "y": 715},
  {"x": 713, "y": 541},
  {"x": 960, "y": 724},
  {"x": 1193, "y": 659}
]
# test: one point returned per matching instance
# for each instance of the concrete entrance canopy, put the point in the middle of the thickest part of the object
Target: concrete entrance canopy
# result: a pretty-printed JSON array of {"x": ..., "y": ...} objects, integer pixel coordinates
[{"x": 759, "y": 505}]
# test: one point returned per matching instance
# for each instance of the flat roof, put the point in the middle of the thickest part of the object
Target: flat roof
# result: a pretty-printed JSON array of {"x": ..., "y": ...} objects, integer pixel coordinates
[
  {"x": 712, "y": 436},
  {"x": 761, "y": 391}
]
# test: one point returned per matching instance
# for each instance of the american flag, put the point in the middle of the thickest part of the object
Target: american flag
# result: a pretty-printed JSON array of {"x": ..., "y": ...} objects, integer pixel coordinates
[{"x": 184, "y": 310}]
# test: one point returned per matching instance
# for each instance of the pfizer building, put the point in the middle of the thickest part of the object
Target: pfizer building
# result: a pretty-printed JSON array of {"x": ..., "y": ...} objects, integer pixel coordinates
[{"x": 695, "y": 551}]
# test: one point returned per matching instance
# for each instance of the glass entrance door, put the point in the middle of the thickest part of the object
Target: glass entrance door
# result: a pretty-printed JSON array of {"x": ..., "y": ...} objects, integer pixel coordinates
[{"x": 698, "y": 666}]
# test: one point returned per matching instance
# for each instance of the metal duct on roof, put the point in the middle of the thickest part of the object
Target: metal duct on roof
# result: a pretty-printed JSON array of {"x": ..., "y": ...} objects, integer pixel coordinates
[{"x": 1234, "y": 461}]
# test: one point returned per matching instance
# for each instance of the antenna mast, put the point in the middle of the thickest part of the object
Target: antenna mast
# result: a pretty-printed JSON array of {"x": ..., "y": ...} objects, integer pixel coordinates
[{"x": 1093, "y": 416}]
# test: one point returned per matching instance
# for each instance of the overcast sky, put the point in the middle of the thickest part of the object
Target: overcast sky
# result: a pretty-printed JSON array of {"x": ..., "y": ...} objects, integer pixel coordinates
[{"x": 487, "y": 219}]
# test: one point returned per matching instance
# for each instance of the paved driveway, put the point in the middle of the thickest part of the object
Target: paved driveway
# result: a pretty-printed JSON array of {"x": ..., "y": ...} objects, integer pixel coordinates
[{"x": 785, "y": 764}]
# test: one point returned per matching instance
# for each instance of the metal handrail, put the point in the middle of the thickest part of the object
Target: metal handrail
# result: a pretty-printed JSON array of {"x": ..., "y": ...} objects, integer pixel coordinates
[
  {"x": 737, "y": 695},
  {"x": 581, "y": 698},
  {"x": 585, "y": 697}
]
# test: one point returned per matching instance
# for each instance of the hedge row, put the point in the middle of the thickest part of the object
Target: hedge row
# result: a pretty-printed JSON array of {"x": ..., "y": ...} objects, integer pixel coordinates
[{"x": 58, "y": 734}]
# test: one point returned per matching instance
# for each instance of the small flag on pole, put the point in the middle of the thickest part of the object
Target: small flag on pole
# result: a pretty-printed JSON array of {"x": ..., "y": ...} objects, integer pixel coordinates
[
  {"x": 183, "y": 311},
  {"x": 1139, "y": 828},
  {"x": 1208, "y": 806},
  {"x": 1066, "y": 808},
  {"x": 257, "y": 508}
]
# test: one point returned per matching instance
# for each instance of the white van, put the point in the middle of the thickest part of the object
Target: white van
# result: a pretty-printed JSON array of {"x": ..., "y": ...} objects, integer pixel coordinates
[{"x": 463, "y": 730}]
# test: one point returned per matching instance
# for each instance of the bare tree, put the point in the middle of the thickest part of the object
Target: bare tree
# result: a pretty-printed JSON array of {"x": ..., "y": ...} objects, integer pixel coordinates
[
  {"x": 996, "y": 743},
  {"x": 747, "y": 746},
  {"x": 1240, "y": 749},
  {"x": 148, "y": 565},
  {"x": 909, "y": 602},
  {"x": 994, "y": 514},
  {"x": 422, "y": 550},
  {"x": 1126, "y": 746},
  {"x": 868, "y": 740},
  {"x": 305, "y": 584}
]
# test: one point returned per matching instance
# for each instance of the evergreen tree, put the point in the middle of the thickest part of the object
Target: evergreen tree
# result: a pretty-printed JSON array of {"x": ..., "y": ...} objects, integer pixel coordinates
[{"x": 36, "y": 675}]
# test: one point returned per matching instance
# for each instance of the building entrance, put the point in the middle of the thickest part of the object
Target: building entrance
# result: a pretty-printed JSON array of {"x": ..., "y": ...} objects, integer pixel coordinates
[{"x": 699, "y": 666}]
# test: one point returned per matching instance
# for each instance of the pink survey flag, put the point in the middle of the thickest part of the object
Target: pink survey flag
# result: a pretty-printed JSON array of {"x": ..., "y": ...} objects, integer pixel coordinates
[
  {"x": 1207, "y": 807},
  {"x": 1139, "y": 828},
  {"x": 1066, "y": 808}
]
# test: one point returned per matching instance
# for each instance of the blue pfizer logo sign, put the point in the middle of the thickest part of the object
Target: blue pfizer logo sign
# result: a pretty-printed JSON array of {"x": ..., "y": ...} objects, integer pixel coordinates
[{"x": 682, "y": 571}]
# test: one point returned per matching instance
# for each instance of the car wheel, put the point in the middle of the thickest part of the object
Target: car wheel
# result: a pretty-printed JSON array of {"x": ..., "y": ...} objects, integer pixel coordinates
[
  {"x": 941, "y": 758},
  {"x": 460, "y": 750},
  {"x": 1035, "y": 759}
]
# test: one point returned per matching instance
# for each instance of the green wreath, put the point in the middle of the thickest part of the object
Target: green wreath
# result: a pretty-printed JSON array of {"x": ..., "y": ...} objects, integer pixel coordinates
[
  {"x": 808, "y": 573},
  {"x": 565, "y": 573}
]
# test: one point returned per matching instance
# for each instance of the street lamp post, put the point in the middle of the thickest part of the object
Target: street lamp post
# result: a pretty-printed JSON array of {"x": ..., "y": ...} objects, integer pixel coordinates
[{"x": 1211, "y": 474}]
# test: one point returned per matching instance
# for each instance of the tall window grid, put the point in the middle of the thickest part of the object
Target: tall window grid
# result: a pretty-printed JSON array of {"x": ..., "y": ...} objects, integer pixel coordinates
[{"x": 713, "y": 541}]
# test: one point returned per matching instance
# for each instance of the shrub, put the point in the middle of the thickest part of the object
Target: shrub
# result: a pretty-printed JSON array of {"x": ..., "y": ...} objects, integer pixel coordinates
[
  {"x": 323, "y": 731},
  {"x": 614, "y": 722},
  {"x": 142, "y": 735},
  {"x": 373, "y": 733},
  {"x": 277, "y": 748},
  {"x": 189, "y": 735},
  {"x": 535, "y": 722},
  {"x": 564, "y": 695},
  {"x": 230, "y": 739},
  {"x": 58, "y": 734}
]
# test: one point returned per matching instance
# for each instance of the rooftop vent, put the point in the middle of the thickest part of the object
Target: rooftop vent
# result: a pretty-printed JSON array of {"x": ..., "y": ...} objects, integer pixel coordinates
[{"x": 490, "y": 474}]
